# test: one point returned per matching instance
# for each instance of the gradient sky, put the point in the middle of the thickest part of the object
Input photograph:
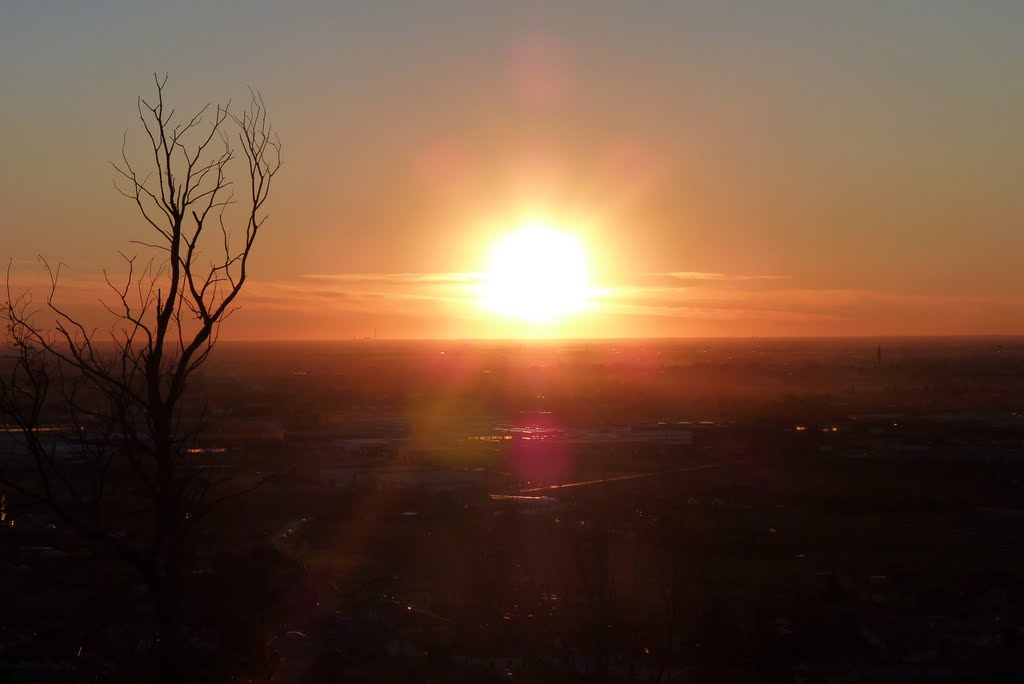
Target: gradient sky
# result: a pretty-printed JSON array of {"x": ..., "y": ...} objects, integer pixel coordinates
[{"x": 734, "y": 168}]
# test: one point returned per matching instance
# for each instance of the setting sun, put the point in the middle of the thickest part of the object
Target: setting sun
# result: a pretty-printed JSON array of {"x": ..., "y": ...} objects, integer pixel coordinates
[{"x": 537, "y": 275}]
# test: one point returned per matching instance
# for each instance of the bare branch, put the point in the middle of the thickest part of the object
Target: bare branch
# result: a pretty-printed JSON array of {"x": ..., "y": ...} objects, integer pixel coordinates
[{"x": 120, "y": 388}]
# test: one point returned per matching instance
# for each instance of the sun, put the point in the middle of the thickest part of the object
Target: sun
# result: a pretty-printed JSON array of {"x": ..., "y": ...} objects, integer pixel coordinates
[{"x": 537, "y": 275}]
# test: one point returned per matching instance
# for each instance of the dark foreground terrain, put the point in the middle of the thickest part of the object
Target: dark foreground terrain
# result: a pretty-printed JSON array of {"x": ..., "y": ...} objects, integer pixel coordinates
[{"x": 698, "y": 511}]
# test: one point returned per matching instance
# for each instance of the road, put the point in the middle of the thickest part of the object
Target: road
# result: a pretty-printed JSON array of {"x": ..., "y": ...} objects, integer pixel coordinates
[{"x": 586, "y": 483}]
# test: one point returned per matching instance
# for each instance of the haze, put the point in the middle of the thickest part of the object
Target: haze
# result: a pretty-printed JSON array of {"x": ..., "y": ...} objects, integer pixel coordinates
[{"x": 732, "y": 168}]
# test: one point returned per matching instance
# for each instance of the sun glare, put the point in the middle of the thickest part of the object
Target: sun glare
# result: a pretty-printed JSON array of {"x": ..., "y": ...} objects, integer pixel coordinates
[{"x": 537, "y": 275}]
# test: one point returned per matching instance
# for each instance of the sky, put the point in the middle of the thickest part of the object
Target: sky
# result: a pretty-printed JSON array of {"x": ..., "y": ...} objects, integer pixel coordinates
[{"x": 730, "y": 168}]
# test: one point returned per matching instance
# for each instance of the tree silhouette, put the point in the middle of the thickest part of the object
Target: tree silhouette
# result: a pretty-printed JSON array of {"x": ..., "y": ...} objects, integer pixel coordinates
[{"x": 131, "y": 487}]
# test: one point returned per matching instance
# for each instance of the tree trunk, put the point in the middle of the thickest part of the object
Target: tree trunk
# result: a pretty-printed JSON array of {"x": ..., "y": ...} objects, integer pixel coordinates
[{"x": 170, "y": 646}]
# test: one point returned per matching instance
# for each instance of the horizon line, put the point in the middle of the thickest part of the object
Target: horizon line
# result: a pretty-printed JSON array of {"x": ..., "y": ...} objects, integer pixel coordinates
[{"x": 663, "y": 338}]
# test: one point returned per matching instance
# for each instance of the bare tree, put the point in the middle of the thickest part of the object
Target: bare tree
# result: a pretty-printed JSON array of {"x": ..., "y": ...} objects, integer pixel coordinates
[{"x": 118, "y": 391}]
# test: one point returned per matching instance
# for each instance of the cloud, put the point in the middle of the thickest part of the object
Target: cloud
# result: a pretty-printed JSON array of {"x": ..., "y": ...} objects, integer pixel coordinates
[
  {"x": 675, "y": 303},
  {"x": 702, "y": 275},
  {"x": 778, "y": 305},
  {"x": 393, "y": 293},
  {"x": 397, "y": 278},
  {"x": 703, "y": 279}
]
